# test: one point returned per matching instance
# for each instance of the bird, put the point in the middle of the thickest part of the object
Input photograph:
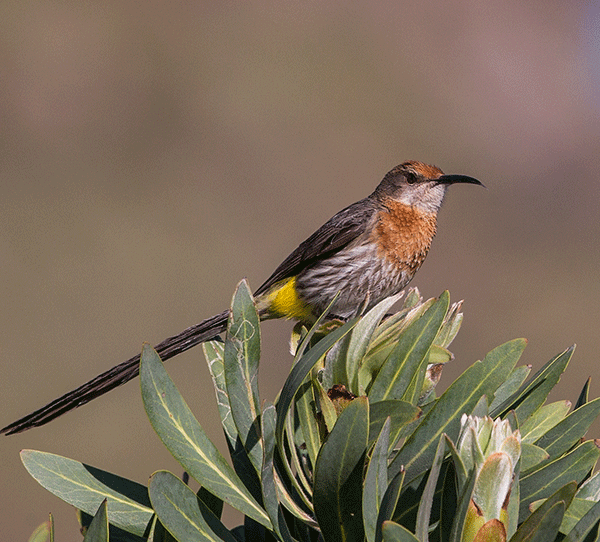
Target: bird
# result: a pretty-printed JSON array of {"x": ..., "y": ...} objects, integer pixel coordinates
[{"x": 368, "y": 251}]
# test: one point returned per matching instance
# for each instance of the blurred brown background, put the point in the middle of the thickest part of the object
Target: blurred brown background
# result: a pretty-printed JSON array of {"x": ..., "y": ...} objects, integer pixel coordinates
[{"x": 154, "y": 153}]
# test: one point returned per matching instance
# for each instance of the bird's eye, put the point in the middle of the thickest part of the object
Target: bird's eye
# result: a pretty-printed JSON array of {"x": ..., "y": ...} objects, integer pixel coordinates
[{"x": 411, "y": 178}]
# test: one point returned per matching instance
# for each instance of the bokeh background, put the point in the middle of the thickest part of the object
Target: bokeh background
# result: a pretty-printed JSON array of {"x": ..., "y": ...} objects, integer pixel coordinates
[{"x": 154, "y": 153}]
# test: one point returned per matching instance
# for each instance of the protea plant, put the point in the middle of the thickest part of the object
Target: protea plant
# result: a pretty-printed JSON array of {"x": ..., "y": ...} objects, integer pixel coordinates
[{"x": 357, "y": 445}]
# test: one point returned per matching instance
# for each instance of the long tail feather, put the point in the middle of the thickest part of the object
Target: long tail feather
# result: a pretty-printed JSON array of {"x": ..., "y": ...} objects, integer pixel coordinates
[{"x": 120, "y": 374}]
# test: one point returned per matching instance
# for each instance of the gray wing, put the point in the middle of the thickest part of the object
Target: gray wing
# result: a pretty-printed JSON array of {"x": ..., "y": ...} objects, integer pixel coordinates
[{"x": 335, "y": 234}]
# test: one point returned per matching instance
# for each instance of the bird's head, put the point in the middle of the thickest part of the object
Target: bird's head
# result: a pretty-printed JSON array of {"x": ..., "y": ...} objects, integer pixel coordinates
[{"x": 419, "y": 185}]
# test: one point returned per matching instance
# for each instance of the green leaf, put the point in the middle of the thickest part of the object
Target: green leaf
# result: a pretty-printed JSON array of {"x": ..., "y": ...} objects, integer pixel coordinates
[
  {"x": 531, "y": 455},
  {"x": 299, "y": 372},
  {"x": 439, "y": 355},
  {"x": 575, "y": 512},
  {"x": 448, "y": 500},
  {"x": 401, "y": 413},
  {"x": 181, "y": 512},
  {"x": 450, "y": 326},
  {"x": 459, "y": 466},
  {"x": 532, "y": 394},
  {"x": 269, "y": 487},
  {"x": 385, "y": 338},
  {"x": 240, "y": 362},
  {"x": 79, "y": 485},
  {"x": 567, "y": 433},
  {"x": 548, "y": 525},
  {"x": 546, "y": 519},
  {"x": 389, "y": 503},
  {"x": 544, "y": 419},
  {"x": 338, "y": 475},
  {"x": 306, "y": 414},
  {"x": 392, "y": 532},
  {"x": 549, "y": 379},
  {"x": 481, "y": 408},
  {"x": 462, "y": 506},
  {"x": 375, "y": 481},
  {"x": 514, "y": 381},
  {"x": 183, "y": 436},
  {"x": 590, "y": 489},
  {"x": 542, "y": 482},
  {"x": 213, "y": 352},
  {"x": 359, "y": 338},
  {"x": 584, "y": 525},
  {"x": 482, "y": 378},
  {"x": 401, "y": 376},
  {"x": 326, "y": 406},
  {"x": 98, "y": 529},
  {"x": 513, "y": 504},
  {"x": 584, "y": 394},
  {"x": 424, "y": 512}
]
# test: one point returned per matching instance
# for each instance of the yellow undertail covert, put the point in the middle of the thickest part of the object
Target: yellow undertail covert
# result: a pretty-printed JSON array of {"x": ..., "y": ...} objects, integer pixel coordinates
[{"x": 285, "y": 303}]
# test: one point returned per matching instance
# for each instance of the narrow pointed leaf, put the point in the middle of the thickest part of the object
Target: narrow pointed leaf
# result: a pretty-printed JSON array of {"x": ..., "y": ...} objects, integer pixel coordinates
[
  {"x": 305, "y": 412},
  {"x": 542, "y": 482},
  {"x": 392, "y": 532},
  {"x": 389, "y": 503},
  {"x": 462, "y": 506},
  {"x": 326, "y": 406},
  {"x": 576, "y": 511},
  {"x": 538, "y": 396},
  {"x": 269, "y": 487},
  {"x": 531, "y": 455},
  {"x": 384, "y": 339},
  {"x": 514, "y": 499},
  {"x": 240, "y": 363},
  {"x": 80, "y": 486},
  {"x": 213, "y": 352},
  {"x": 98, "y": 529},
  {"x": 450, "y": 326},
  {"x": 401, "y": 376},
  {"x": 584, "y": 525},
  {"x": 481, "y": 408},
  {"x": 375, "y": 481},
  {"x": 459, "y": 466},
  {"x": 543, "y": 419},
  {"x": 424, "y": 512},
  {"x": 359, "y": 338},
  {"x": 567, "y": 433},
  {"x": 535, "y": 523},
  {"x": 439, "y": 355},
  {"x": 183, "y": 436},
  {"x": 590, "y": 489},
  {"x": 181, "y": 512},
  {"x": 401, "y": 413},
  {"x": 531, "y": 395},
  {"x": 510, "y": 386},
  {"x": 301, "y": 370},
  {"x": 337, "y": 494},
  {"x": 449, "y": 501},
  {"x": 482, "y": 378},
  {"x": 584, "y": 394}
]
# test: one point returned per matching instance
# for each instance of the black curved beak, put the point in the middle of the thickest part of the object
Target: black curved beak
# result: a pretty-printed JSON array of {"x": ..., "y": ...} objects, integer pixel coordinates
[{"x": 454, "y": 179}]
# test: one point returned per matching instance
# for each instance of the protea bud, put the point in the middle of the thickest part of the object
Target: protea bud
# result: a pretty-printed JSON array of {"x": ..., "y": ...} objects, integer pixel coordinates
[{"x": 491, "y": 450}]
